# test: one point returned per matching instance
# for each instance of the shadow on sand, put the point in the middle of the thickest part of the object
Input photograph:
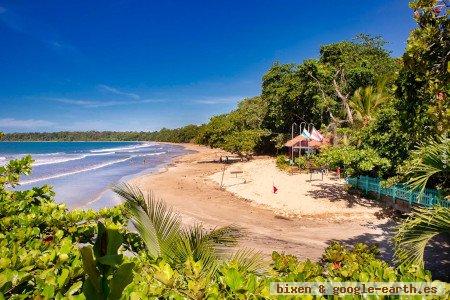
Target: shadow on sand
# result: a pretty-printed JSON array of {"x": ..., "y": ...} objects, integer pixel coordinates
[
  {"x": 437, "y": 253},
  {"x": 334, "y": 193},
  {"x": 437, "y": 257}
]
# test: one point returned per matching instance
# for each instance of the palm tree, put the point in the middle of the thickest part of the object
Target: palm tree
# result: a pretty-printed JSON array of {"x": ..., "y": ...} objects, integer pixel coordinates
[
  {"x": 431, "y": 162},
  {"x": 164, "y": 236},
  {"x": 366, "y": 101},
  {"x": 416, "y": 232}
]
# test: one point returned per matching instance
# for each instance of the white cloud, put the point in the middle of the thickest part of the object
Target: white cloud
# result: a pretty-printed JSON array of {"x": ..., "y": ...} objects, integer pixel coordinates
[
  {"x": 24, "y": 124},
  {"x": 115, "y": 91},
  {"x": 93, "y": 103},
  {"x": 87, "y": 103},
  {"x": 219, "y": 100}
]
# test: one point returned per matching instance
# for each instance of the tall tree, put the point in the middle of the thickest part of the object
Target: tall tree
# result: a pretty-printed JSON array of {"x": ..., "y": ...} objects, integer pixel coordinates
[
  {"x": 354, "y": 64},
  {"x": 423, "y": 84}
]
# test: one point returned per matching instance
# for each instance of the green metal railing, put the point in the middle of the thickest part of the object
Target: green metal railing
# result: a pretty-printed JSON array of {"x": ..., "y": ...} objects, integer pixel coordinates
[{"x": 368, "y": 184}]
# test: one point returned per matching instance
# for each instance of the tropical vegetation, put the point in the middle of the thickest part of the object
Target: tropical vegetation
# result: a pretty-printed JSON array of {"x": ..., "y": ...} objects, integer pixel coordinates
[{"x": 48, "y": 252}]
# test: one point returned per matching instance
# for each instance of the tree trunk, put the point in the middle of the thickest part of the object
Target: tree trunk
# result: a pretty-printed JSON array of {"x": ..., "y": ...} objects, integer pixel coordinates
[{"x": 344, "y": 99}]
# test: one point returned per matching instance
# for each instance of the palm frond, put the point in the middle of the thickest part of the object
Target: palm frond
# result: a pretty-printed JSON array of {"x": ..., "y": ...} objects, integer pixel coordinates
[
  {"x": 366, "y": 101},
  {"x": 250, "y": 261},
  {"x": 165, "y": 222},
  {"x": 415, "y": 233},
  {"x": 143, "y": 224},
  {"x": 223, "y": 238},
  {"x": 193, "y": 244},
  {"x": 164, "y": 236},
  {"x": 429, "y": 161}
]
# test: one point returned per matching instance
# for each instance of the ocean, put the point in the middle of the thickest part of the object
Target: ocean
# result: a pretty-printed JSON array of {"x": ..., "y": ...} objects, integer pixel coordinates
[{"x": 82, "y": 173}]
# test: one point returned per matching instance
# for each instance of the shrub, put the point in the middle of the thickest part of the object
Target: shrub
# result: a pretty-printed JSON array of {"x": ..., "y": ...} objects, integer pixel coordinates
[
  {"x": 354, "y": 161},
  {"x": 282, "y": 162},
  {"x": 39, "y": 239},
  {"x": 301, "y": 162}
]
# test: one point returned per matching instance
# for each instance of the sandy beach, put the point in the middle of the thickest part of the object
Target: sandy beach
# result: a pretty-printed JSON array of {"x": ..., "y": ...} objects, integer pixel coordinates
[{"x": 302, "y": 218}]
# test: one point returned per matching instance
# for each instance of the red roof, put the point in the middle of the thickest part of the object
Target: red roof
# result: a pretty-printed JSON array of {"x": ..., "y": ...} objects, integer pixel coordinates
[
  {"x": 295, "y": 141},
  {"x": 305, "y": 143},
  {"x": 316, "y": 144}
]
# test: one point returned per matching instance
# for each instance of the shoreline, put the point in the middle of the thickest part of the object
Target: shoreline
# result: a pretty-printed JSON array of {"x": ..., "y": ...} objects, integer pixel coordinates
[
  {"x": 103, "y": 195},
  {"x": 185, "y": 184}
]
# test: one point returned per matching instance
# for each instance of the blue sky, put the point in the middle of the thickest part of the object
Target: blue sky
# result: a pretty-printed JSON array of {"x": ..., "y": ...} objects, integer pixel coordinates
[{"x": 143, "y": 65}]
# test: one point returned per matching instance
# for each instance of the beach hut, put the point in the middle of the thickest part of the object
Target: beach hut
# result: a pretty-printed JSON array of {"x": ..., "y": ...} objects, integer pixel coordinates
[{"x": 301, "y": 145}]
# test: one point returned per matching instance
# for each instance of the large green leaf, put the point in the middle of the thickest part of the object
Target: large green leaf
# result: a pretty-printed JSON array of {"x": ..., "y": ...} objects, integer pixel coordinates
[
  {"x": 115, "y": 240},
  {"x": 89, "y": 267},
  {"x": 111, "y": 260},
  {"x": 122, "y": 277}
]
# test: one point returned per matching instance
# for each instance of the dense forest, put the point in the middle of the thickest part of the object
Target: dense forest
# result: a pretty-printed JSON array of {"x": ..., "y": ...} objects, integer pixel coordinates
[{"x": 179, "y": 135}]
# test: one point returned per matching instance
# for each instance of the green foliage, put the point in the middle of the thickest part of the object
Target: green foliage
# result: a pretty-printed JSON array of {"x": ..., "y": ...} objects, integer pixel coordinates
[
  {"x": 366, "y": 101},
  {"x": 429, "y": 165},
  {"x": 214, "y": 133},
  {"x": 107, "y": 274},
  {"x": 40, "y": 255},
  {"x": 10, "y": 173},
  {"x": 415, "y": 233},
  {"x": 184, "y": 134},
  {"x": 243, "y": 143},
  {"x": 240, "y": 131},
  {"x": 355, "y": 64},
  {"x": 301, "y": 162},
  {"x": 384, "y": 135},
  {"x": 292, "y": 96},
  {"x": 282, "y": 162},
  {"x": 354, "y": 161},
  {"x": 164, "y": 236},
  {"x": 428, "y": 45},
  {"x": 315, "y": 90},
  {"x": 231, "y": 281},
  {"x": 363, "y": 61},
  {"x": 250, "y": 113},
  {"x": 423, "y": 82},
  {"x": 279, "y": 140},
  {"x": 340, "y": 263},
  {"x": 39, "y": 239}
]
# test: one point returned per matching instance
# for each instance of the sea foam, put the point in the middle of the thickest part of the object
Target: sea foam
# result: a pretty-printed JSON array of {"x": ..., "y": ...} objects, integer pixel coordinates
[
  {"x": 122, "y": 149},
  {"x": 77, "y": 171}
]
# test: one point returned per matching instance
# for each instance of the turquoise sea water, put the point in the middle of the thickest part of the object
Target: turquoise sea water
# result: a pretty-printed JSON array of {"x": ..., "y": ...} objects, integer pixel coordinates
[{"x": 82, "y": 172}]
